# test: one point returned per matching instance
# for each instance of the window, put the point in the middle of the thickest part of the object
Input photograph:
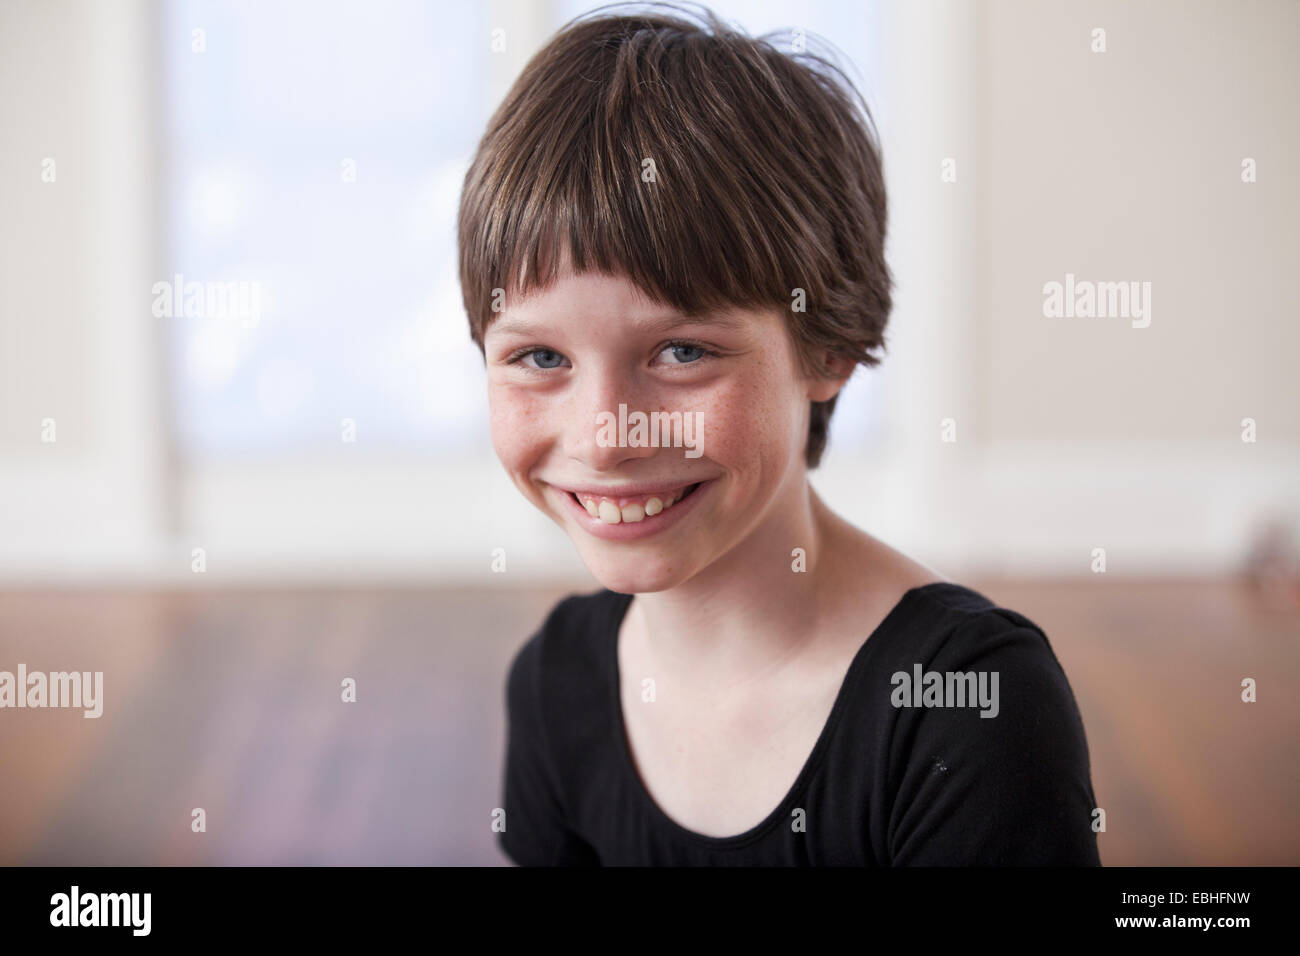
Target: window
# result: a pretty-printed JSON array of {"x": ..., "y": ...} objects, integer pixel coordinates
[{"x": 317, "y": 151}]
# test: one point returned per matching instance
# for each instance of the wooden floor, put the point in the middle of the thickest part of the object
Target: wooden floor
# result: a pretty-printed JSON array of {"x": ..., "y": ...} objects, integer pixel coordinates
[{"x": 230, "y": 701}]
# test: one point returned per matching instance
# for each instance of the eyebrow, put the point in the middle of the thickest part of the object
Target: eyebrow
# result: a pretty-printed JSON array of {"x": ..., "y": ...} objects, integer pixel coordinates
[{"x": 666, "y": 324}]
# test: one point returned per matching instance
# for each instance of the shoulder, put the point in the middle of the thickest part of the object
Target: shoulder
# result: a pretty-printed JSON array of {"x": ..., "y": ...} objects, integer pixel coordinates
[
  {"x": 992, "y": 759},
  {"x": 963, "y": 659},
  {"x": 954, "y": 621},
  {"x": 559, "y": 695},
  {"x": 953, "y": 643},
  {"x": 563, "y": 648}
]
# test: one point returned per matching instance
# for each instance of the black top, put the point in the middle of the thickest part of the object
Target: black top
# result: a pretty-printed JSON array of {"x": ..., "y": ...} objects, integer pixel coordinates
[{"x": 885, "y": 785}]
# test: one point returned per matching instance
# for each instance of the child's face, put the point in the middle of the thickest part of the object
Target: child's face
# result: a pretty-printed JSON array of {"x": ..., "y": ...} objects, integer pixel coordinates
[{"x": 596, "y": 344}]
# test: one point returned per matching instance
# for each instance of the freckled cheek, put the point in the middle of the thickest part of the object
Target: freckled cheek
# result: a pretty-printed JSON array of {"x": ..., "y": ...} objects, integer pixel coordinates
[
  {"x": 519, "y": 426},
  {"x": 745, "y": 420}
]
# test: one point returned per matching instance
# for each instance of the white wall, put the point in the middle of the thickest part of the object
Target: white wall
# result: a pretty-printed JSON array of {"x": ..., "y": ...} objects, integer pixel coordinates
[
  {"x": 76, "y": 341},
  {"x": 1073, "y": 433}
]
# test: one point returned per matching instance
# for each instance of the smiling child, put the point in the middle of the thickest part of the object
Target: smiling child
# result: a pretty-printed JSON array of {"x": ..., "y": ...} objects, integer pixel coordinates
[{"x": 669, "y": 223}]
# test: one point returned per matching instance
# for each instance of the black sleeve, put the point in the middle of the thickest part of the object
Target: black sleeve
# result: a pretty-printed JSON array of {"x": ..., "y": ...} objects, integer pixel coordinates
[
  {"x": 1009, "y": 790},
  {"x": 535, "y": 831}
]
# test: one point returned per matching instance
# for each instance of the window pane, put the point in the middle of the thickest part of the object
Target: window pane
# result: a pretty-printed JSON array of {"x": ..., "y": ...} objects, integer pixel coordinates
[{"x": 316, "y": 154}]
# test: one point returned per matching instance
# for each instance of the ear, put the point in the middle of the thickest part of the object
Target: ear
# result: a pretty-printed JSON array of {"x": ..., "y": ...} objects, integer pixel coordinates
[{"x": 835, "y": 371}]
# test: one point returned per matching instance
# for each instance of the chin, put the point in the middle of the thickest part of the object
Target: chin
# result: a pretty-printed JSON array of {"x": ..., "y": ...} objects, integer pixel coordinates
[{"x": 633, "y": 574}]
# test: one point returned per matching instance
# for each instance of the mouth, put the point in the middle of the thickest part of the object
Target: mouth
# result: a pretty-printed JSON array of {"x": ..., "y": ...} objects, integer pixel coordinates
[
  {"x": 632, "y": 508},
  {"x": 619, "y": 517}
]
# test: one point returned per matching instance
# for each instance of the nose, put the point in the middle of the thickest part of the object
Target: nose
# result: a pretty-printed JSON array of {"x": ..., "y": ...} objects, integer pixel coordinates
[{"x": 593, "y": 435}]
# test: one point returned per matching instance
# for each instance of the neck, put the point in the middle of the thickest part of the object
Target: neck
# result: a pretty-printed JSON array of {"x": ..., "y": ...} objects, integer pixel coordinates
[{"x": 750, "y": 612}]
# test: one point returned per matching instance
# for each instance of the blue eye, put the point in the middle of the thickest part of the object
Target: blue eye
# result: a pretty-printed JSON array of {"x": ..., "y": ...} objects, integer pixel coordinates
[
  {"x": 542, "y": 358},
  {"x": 685, "y": 353}
]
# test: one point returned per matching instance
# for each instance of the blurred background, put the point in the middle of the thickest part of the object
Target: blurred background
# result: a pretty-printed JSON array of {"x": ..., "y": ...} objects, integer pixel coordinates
[{"x": 229, "y": 509}]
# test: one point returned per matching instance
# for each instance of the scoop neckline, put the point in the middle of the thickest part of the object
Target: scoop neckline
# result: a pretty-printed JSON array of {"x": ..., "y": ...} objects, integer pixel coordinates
[{"x": 627, "y": 765}]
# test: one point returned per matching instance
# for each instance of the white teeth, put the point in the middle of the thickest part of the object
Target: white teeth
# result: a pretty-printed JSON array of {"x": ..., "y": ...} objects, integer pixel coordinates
[{"x": 609, "y": 512}]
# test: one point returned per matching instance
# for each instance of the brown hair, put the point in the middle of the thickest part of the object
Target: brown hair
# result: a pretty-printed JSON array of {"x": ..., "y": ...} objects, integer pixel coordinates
[{"x": 768, "y": 179}]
